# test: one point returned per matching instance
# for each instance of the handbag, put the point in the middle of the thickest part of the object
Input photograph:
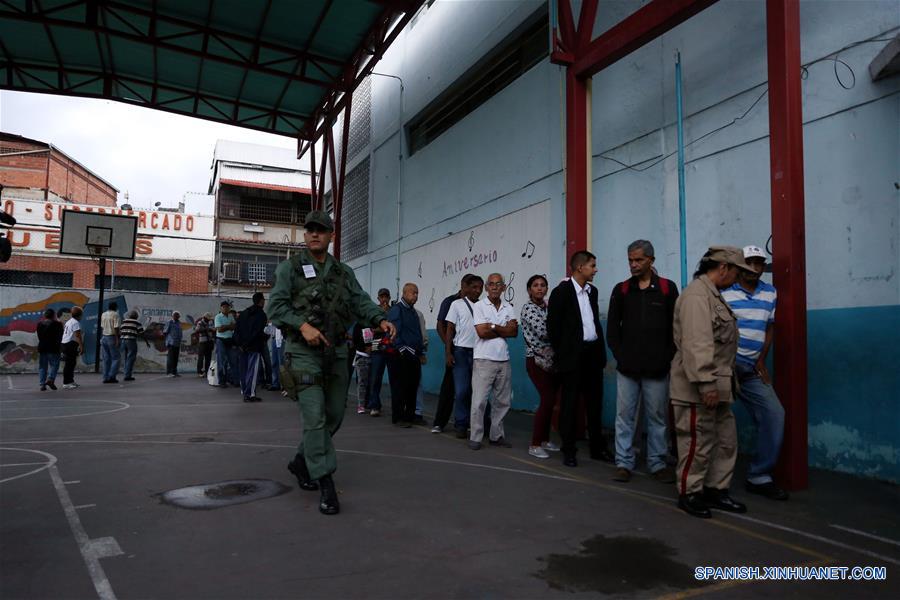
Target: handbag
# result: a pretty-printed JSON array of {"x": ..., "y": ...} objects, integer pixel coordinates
[{"x": 544, "y": 358}]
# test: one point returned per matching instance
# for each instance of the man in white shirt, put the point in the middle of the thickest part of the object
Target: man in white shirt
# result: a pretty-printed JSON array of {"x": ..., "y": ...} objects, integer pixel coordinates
[
  {"x": 72, "y": 347},
  {"x": 459, "y": 345},
  {"x": 109, "y": 343},
  {"x": 494, "y": 322}
]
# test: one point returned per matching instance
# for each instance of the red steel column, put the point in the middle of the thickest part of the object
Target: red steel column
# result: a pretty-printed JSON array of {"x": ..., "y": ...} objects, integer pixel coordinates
[
  {"x": 788, "y": 234},
  {"x": 577, "y": 162}
]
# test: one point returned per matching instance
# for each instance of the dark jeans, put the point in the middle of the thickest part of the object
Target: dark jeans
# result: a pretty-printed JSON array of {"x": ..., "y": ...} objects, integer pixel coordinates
[
  {"x": 172, "y": 359},
  {"x": 265, "y": 375},
  {"x": 70, "y": 353},
  {"x": 376, "y": 374},
  {"x": 129, "y": 354},
  {"x": 586, "y": 380},
  {"x": 462, "y": 385},
  {"x": 404, "y": 371},
  {"x": 226, "y": 361},
  {"x": 445, "y": 399},
  {"x": 204, "y": 356}
]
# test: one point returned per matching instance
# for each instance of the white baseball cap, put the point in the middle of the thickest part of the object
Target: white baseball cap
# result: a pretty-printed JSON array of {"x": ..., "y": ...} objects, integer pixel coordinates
[{"x": 754, "y": 252}]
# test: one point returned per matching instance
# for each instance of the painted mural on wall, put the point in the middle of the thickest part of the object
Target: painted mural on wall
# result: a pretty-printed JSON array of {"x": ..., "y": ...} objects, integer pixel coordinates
[
  {"x": 22, "y": 308},
  {"x": 516, "y": 245}
]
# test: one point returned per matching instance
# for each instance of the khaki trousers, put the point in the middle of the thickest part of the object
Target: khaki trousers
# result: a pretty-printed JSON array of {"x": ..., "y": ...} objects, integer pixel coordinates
[{"x": 707, "y": 446}]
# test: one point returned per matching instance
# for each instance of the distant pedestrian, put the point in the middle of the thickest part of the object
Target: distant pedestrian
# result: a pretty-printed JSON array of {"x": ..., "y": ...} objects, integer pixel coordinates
[
  {"x": 49, "y": 333},
  {"x": 447, "y": 395},
  {"x": 701, "y": 380},
  {"x": 173, "y": 334},
  {"x": 404, "y": 366},
  {"x": 203, "y": 330},
  {"x": 109, "y": 343},
  {"x": 419, "y": 419},
  {"x": 639, "y": 333},
  {"x": 276, "y": 351},
  {"x": 250, "y": 339},
  {"x": 362, "y": 344},
  {"x": 459, "y": 346},
  {"x": 226, "y": 353},
  {"x": 72, "y": 346},
  {"x": 573, "y": 324},
  {"x": 130, "y": 330},
  {"x": 378, "y": 361},
  {"x": 539, "y": 364},
  {"x": 495, "y": 322}
]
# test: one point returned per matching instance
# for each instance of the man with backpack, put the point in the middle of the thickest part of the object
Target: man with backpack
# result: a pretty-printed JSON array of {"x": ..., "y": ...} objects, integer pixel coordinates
[{"x": 639, "y": 334}]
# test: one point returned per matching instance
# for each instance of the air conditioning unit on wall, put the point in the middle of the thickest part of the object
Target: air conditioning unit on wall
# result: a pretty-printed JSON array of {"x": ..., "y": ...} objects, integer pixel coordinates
[{"x": 231, "y": 271}]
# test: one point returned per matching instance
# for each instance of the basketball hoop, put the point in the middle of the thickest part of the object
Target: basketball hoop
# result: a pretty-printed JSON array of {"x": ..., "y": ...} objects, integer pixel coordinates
[{"x": 97, "y": 252}]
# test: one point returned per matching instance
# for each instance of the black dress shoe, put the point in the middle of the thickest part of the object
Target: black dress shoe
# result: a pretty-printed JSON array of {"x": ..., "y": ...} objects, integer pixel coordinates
[
  {"x": 604, "y": 455},
  {"x": 328, "y": 501},
  {"x": 720, "y": 500},
  {"x": 768, "y": 489},
  {"x": 298, "y": 468},
  {"x": 570, "y": 461},
  {"x": 694, "y": 505}
]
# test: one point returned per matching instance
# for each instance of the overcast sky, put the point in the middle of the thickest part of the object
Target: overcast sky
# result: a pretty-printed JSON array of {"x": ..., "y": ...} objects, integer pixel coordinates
[{"x": 153, "y": 155}]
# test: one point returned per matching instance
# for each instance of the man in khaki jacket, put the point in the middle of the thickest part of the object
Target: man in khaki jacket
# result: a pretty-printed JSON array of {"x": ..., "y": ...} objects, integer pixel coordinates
[{"x": 706, "y": 337}]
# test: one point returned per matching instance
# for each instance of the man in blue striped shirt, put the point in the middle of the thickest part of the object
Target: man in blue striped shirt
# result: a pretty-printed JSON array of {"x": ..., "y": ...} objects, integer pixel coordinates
[{"x": 753, "y": 302}]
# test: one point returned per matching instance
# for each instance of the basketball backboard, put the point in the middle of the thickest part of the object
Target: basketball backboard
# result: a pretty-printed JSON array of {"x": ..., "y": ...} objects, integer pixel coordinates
[{"x": 93, "y": 234}]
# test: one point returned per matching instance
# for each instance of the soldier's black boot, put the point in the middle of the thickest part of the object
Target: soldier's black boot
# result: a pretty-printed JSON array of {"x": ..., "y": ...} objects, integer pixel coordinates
[
  {"x": 328, "y": 503},
  {"x": 298, "y": 468},
  {"x": 694, "y": 505}
]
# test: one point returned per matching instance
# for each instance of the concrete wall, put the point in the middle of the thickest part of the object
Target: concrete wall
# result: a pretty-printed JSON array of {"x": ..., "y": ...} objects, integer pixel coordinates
[
  {"x": 508, "y": 153},
  {"x": 21, "y": 308}
]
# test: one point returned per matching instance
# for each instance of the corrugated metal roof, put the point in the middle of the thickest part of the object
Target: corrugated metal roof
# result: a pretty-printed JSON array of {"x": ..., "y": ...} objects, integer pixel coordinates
[
  {"x": 257, "y": 154},
  {"x": 291, "y": 180}
]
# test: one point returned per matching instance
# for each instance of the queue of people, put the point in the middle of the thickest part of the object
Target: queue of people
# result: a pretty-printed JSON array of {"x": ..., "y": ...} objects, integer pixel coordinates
[{"x": 681, "y": 360}]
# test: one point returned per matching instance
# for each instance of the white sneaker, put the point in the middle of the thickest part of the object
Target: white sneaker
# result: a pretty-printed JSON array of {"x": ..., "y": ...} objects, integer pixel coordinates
[
  {"x": 170, "y": 375},
  {"x": 70, "y": 386},
  {"x": 538, "y": 452},
  {"x": 437, "y": 429},
  {"x": 550, "y": 446}
]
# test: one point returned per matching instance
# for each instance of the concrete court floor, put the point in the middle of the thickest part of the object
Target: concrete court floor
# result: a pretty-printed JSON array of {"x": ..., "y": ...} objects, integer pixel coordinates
[{"x": 422, "y": 515}]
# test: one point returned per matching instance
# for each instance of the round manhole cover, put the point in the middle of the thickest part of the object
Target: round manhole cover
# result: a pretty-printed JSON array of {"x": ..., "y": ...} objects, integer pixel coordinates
[{"x": 224, "y": 493}]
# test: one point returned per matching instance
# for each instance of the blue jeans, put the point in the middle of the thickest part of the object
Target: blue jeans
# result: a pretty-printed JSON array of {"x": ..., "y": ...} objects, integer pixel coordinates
[
  {"x": 276, "y": 364},
  {"x": 655, "y": 394},
  {"x": 129, "y": 350},
  {"x": 376, "y": 375},
  {"x": 110, "y": 354},
  {"x": 462, "y": 384},
  {"x": 226, "y": 362},
  {"x": 761, "y": 402},
  {"x": 48, "y": 366}
]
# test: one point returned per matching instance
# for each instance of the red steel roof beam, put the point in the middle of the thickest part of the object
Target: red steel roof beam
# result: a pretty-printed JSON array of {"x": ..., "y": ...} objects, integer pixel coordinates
[{"x": 643, "y": 26}]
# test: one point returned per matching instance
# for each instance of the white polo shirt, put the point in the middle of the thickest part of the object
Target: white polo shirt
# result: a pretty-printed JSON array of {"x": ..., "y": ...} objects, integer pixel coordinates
[
  {"x": 72, "y": 325},
  {"x": 486, "y": 312},
  {"x": 460, "y": 314}
]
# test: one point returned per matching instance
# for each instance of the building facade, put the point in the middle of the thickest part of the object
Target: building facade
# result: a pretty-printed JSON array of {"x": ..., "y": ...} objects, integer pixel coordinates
[
  {"x": 173, "y": 250},
  {"x": 262, "y": 197},
  {"x": 463, "y": 151}
]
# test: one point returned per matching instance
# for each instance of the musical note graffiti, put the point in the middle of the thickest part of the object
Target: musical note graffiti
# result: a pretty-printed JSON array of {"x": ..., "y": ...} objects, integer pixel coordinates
[
  {"x": 471, "y": 240},
  {"x": 510, "y": 293},
  {"x": 431, "y": 301},
  {"x": 420, "y": 269},
  {"x": 529, "y": 250}
]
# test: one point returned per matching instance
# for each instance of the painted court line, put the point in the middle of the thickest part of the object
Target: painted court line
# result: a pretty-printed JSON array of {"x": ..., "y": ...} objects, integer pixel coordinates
[
  {"x": 9, "y": 382},
  {"x": 80, "y": 506},
  {"x": 72, "y": 482},
  {"x": 866, "y": 534},
  {"x": 85, "y": 544},
  {"x": 51, "y": 460},
  {"x": 23, "y": 464}
]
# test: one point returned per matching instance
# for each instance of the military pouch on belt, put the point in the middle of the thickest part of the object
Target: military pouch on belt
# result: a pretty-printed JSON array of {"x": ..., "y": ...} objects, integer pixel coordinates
[{"x": 287, "y": 378}]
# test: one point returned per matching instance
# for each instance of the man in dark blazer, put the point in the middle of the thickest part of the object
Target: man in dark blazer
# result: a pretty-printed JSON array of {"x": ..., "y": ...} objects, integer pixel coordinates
[{"x": 573, "y": 325}]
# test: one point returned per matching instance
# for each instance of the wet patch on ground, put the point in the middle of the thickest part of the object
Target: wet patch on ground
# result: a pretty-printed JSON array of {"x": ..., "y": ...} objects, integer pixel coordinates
[
  {"x": 617, "y": 565},
  {"x": 208, "y": 496}
]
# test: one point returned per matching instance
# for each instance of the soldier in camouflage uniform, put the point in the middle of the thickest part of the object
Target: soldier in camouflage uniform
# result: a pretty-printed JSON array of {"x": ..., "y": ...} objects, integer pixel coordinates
[{"x": 314, "y": 301}]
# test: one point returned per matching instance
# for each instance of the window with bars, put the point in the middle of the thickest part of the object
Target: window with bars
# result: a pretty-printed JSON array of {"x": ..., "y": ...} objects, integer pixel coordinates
[
  {"x": 53, "y": 280},
  {"x": 355, "y": 213},
  {"x": 249, "y": 268},
  {"x": 261, "y": 205},
  {"x": 511, "y": 58}
]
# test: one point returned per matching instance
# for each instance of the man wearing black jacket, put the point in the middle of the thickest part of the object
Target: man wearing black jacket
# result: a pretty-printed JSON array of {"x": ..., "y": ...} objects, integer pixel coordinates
[
  {"x": 250, "y": 338},
  {"x": 639, "y": 333},
  {"x": 573, "y": 326}
]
